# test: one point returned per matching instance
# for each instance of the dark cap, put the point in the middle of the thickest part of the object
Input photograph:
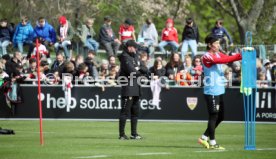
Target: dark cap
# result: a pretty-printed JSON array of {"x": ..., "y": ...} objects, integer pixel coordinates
[
  {"x": 131, "y": 43},
  {"x": 210, "y": 39},
  {"x": 44, "y": 63},
  {"x": 128, "y": 21},
  {"x": 6, "y": 57},
  {"x": 107, "y": 18}
]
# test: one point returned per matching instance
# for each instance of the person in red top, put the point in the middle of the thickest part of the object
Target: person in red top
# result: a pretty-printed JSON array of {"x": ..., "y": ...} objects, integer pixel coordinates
[
  {"x": 214, "y": 88},
  {"x": 127, "y": 31},
  {"x": 169, "y": 37}
]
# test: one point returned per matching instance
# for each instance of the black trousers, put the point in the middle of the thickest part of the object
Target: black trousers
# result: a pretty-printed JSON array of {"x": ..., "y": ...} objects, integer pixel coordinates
[
  {"x": 215, "y": 105},
  {"x": 129, "y": 105}
]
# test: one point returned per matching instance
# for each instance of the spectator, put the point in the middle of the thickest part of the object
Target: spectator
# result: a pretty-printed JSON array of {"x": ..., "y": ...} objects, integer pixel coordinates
[
  {"x": 65, "y": 33},
  {"x": 32, "y": 66},
  {"x": 188, "y": 64},
  {"x": 169, "y": 37},
  {"x": 45, "y": 32},
  {"x": 174, "y": 66},
  {"x": 79, "y": 60},
  {"x": 108, "y": 38},
  {"x": 228, "y": 76},
  {"x": 42, "y": 51},
  {"x": 197, "y": 76},
  {"x": 127, "y": 31},
  {"x": 236, "y": 67},
  {"x": 87, "y": 35},
  {"x": 196, "y": 62},
  {"x": 82, "y": 72},
  {"x": 273, "y": 70},
  {"x": 6, "y": 32},
  {"x": 267, "y": 72},
  {"x": 148, "y": 36},
  {"x": 92, "y": 65},
  {"x": 4, "y": 60},
  {"x": 58, "y": 64},
  {"x": 104, "y": 71},
  {"x": 45, "y": 66},
  {"x": 157, "y": 70},
  {"x": 262, "y": 81},
  {"x": 190, "y": 37},
  {"x": 12, "y": 64},
  {"x": 183, "y": 78},
  {"x": 3, "y": 74},
  {"x": 219, "y": 32},
  {"x": 112, "y": 60},
  {"x": 23, "y": 35}
]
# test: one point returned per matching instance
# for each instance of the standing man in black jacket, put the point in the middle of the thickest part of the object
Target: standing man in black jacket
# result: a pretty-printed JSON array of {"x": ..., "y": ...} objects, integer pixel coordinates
[
  {"x": 190, "y": 37},
  {"x": 131, "y": 69}
]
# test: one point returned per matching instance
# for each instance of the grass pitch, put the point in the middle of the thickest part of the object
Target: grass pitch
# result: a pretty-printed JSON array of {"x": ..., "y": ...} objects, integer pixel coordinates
[{"x": 162, "y": 140}]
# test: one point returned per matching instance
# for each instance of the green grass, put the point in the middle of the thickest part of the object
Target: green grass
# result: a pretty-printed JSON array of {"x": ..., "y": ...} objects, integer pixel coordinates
[{"x": 73, "y": 139}]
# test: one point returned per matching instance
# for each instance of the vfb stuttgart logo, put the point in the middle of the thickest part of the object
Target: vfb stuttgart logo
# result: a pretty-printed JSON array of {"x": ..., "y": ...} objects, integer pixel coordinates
[{"x": 192, "y": 102}]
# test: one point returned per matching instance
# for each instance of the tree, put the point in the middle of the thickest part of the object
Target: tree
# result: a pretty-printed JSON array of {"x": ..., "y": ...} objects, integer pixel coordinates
[{"x": 248, "y": 14}]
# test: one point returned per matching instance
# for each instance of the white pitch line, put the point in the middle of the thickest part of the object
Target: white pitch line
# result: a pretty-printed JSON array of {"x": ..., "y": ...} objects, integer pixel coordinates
[
  {"x": 265, "y": 149},
  {"x": 96, "y": 156},
  {"x": 209, "y": 151},
  {"x": 154, "y": 153}
]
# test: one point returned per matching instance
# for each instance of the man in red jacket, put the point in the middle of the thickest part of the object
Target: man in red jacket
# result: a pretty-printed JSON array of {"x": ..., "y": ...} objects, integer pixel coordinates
[{"x": 169, "y": 37}]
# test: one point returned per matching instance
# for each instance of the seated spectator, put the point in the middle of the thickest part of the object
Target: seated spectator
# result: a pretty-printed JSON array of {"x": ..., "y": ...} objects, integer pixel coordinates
[
  {"x": 188, "y": 64},
  {"x": 157, "y": 70},
  {"x": 262, "y": 81},
  {"x": 11, "y": 65},
  {"x": 32, "y": 66},
  {"x": 42, "y": 51},
  {"x": 174, "y": 66},
  {"x": 169, "y": 37},
  {"x": 144, "y": 59},
  {"x": 23, "y": 35},
  {"x": 236, "y": 67},
  {"x": 4, "y": 60},
  {"x": 113, "y": 74},
  {"x": 228, "y": 76},
  {"x": 34, "y": 75},
  {"x": 58, "y": 64},
  {"x": 79, "y": 60},
  {"x": 87, "y": 35},
  {"x": 127, "y": 31},
  {"x": 6, "y": 32},
  {"x": 45, "y": 66},
  {"x": 82, "y": 72},
  {"x": 65, "y": 33},
  {"x": 3, "y": 74},
  {"x": 183, "y": 78},
  {"x": 197, "y": 77},
  {"x": 267, "y": 69},
  {"x": 273, "y": 70},
  {"x": 111, "y": 61},
  {"x": 148, "y": 36},
  {"x": 104, "y": 71},
  {"x": 196, "y": 62},
  {"x": 108, "y": 38},
  {"x": 92, "y": 65},
  {"x": 45, "y": 32},
  {"x": 220, "y": 32}
]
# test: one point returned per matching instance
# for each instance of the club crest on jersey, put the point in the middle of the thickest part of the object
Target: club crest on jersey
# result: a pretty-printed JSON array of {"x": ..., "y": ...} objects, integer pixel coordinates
[{"x": 192, "y": 102}]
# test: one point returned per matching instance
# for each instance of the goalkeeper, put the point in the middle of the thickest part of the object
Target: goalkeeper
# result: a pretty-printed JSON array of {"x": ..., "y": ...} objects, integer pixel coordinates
[{"x": 214, "y": 88}]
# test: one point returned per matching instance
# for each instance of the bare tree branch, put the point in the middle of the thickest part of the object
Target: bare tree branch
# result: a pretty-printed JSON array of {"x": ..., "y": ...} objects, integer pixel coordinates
[
  {"x": 177, "y": 9},
  {"x": 256, "y": 10},
  {"x": 235, "y": 10},
  {"x": 222, "y": 6}
]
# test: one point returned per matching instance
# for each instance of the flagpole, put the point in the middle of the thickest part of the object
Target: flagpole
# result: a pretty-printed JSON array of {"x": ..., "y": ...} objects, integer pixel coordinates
[{"x": 39, "y": 94}]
